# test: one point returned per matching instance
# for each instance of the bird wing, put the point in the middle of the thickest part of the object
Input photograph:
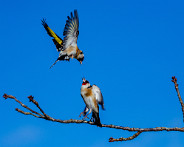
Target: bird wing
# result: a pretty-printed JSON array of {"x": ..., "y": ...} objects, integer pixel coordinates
[
  {"x": 56, "y": 39},
  {"x": 71, "y": 30},
  {"x": 98, "y": 95}
]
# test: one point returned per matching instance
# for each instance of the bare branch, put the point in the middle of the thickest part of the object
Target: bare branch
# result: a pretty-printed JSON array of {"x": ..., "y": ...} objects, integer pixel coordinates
[
  {"x": 47, "y": 117},
  {"x": 125, "y": 139},
  {"x": 103, "y": 125},
  {"x": 174, "y": 80},
  {"x": 137, "y": 130}
]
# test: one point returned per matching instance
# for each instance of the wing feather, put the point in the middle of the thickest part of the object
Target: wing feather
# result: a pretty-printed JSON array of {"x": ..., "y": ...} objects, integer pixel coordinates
[
  {"x": 71, "y": 30},
  {"x": 98, "y": 95},
  {"x": 56, "y": 39}
]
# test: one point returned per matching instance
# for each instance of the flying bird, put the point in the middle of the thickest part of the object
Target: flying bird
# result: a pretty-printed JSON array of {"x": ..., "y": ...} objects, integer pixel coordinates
[
  {"x": 68, "y": 46},
  {"x": 92, "y": 96}
]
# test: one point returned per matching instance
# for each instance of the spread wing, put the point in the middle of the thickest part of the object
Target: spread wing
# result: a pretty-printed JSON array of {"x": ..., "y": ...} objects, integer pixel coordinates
[
  {"x": 98, "y": 95},
  {"x": 56, "y": 39},
  {"x": 71, "y": 30}
]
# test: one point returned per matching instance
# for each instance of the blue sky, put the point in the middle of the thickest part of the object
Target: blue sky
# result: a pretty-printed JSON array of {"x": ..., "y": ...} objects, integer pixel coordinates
[{"x": 132, "y": 49}]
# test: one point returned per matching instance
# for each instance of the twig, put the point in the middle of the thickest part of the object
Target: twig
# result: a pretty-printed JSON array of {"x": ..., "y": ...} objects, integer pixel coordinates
[
  {"x": 125, "y": 139},
  {"x": 174, "y": 80},
  {"x": 37, "y": 105},
  {"x": 23, "y": 105},
  {"x": 27, "y": 113}
]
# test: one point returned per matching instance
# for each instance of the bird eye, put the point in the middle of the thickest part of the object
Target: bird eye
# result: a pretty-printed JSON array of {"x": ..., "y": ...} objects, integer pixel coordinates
[{"x": 81, "y": 52}]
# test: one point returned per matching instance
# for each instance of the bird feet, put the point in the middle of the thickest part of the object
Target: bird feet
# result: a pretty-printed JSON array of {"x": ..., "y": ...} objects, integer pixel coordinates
[
  {"x": 82, "y": 113},
  {"x": 85, "y": 117},
  {"x": 92, "y": 119}
]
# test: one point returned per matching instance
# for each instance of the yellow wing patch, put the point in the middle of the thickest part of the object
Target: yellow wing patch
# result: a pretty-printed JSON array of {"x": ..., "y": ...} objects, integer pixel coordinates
[
  {"x": 56, "y": 39},
  {"x": 52, "y": 34}
]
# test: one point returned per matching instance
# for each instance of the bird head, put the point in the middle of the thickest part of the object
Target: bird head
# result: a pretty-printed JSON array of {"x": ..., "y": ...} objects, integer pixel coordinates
[
  {"x": 80, "y": 56},
  {"x": 85, "y": 83}
]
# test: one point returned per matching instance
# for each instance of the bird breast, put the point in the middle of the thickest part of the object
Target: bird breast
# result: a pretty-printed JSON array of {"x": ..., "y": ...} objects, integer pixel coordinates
[
  {"x": 89, "y": 99},
  {"x": 71, "y": 50},
  {"x": 86, "y": 92}
]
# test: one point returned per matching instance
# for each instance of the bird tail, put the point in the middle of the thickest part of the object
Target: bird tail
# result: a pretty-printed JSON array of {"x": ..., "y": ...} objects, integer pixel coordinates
[
  {"x": 102, "y": 106},
  {"x": 97, "y": 119},
  {"x": 54, "y": 63}
]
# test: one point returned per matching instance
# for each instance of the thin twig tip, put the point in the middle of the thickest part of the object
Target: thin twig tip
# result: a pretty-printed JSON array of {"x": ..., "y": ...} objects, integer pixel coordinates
[
  {"x": 8, "y": 96},
  {"x": 174, "y": 79},
  {"x": 30, "y": 98},
  {"x": 5, "y": 96},
  {"x": 111, "y": 139}
]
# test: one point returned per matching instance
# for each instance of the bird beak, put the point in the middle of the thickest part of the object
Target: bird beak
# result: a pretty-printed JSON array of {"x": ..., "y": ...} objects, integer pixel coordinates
[
  {"x": 80, "y": 62},
  {"x": 83, "y": 79}
]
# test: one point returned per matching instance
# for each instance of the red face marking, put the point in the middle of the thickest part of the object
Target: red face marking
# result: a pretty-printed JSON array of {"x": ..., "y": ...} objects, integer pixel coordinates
[{"x": 84, "y": 83}]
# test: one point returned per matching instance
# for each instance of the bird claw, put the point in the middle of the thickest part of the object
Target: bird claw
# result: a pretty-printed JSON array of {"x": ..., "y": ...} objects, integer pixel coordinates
[
  {"x": 85, "y": 118},
  {"x": 82, "y": 113},
  {"x": 92, "y": 119}
]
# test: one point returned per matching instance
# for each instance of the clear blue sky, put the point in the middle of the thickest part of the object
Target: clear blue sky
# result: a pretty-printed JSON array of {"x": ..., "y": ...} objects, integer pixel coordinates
[{"x": 132, "y": 49}]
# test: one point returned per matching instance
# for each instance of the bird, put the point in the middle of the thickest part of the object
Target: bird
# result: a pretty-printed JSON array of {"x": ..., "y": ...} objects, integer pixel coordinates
[
  {"x": 67, "y": 47},
  {"x": 92, "y": 96}
]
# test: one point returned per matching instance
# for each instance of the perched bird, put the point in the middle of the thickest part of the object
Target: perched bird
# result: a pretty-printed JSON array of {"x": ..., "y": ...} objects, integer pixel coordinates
[
  {"x": 68, "y": 47},
  {"x": 92, "y": 96}
]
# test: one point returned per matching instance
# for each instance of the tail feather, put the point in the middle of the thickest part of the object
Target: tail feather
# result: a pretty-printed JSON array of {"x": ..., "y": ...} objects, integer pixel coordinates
[
  {"x": 61, "y": 57},
  {"x": 54, "y": 63},
  {"x": 102, "y": 106},
  {"x": 97, "y": 119}
]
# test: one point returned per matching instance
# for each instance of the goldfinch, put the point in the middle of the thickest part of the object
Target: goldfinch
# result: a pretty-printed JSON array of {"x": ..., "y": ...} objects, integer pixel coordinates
[
  {"x": 68, "y": 47},
  {"x": 92, "y": 96}
]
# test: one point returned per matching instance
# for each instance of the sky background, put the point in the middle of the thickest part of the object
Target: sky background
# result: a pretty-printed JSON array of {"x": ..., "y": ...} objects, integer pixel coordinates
[{"x": 132, "y": 49}]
